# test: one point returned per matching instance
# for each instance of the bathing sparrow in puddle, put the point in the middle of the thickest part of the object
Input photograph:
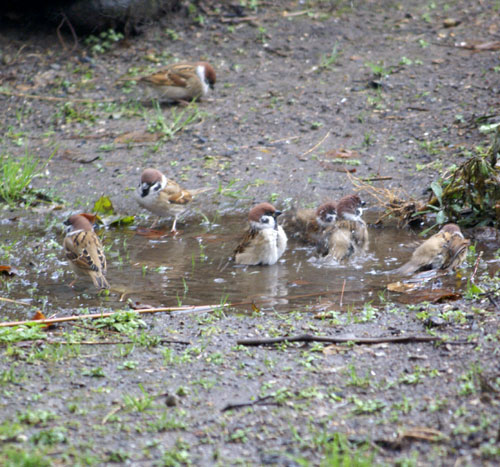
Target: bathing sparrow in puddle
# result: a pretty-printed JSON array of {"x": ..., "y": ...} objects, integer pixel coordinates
[
  {"x": 307, "y": 225},
  {"x": 348, "y": 235},
  {"x": 444, "y": 251},
  {"x": 84, "y": 250},
  {"x": 264, "y": 241}
]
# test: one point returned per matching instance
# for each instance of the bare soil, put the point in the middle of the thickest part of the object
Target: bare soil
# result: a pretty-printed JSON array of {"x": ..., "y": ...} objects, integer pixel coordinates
[{"x": 305, "y": 92}]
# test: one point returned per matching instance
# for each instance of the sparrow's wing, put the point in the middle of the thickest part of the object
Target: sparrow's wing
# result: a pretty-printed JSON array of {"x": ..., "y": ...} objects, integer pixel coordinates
[
  {"x": 429, "y": 255},
  {"x": 173, "y": 193},
  {"x": 456, "y": 252},
  {"x": 246, "y": 241},
  {"x": 167, "y": 77},
  {"x": 85, "y": 251}
]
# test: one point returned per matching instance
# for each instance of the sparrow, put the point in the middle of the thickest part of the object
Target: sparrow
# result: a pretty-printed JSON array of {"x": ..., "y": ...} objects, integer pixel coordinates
[
  {"x": 264, "y": 241},
  {"x": 307, "y": 225},
  {"x": 181, "y": 81},
  {"x": 84, "y": 250},
  {"x": 348, "y": 235},
  {"x": 444, "y": 251},
  {"x": 162, "y": 196}
]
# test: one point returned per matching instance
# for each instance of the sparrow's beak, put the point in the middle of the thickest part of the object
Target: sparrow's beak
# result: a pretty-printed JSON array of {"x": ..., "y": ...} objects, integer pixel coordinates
[
  {"x": 211, "y": 85},
  {"x": 276, "y": 214},
  {"x": 66, "y": 222},
  {"x": 363, "y": 204}
]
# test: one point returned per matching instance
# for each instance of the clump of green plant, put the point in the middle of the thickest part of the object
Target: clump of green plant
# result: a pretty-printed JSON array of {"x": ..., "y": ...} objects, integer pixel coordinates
[
  {"x": 328, "y": 60},
  {"x": 125, "y": 322},
  {"x": 179, "y": 120},
  {"x": 22, "y": 333},
  {"x": 469, "y": 194},
  {"x": 17, "y": 175},
  {"x": 104, "y": 41}
]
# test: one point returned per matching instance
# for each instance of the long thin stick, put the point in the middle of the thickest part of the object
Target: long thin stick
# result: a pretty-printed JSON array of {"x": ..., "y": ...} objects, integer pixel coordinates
[
  {"x": 65, "y": 319},
  {"x": 258, "y": 401},
  {"x": 316, "y": 146},
  {"x": 181, "y": 309},
  {"x": 52, "y": 98},
  {"x": 339, "y": 340},
  {"x": 56, "y": 342},
  {"x": 3, "y": 299}
]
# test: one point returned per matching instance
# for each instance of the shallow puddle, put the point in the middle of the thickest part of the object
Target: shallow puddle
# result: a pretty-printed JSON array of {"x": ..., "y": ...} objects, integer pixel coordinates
[{"x": 192, "y": 269}]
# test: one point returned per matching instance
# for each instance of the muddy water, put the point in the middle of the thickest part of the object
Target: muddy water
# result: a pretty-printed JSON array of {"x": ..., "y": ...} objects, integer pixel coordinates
[{"x": 192, "y": 269}]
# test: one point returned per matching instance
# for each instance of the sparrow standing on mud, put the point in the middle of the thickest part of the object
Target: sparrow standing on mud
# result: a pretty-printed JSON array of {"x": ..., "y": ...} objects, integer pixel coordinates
[
  {"x": 307, "y": 225},
  {"x": 348, "y": 235},
  {"x": 181, "y": 81},
  {"x": 264, "y": 241},
  {"x": 444, "y": 251},
  {"x": 84, "y": 250},
  {"x": 163, "y": 196}
]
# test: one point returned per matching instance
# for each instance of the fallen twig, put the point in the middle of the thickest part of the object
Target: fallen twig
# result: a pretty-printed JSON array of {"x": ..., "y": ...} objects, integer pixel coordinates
[
  {"x": 118, "y": 342},
  {"x": 18, "y": 302},
  {"x": 476, "y": 265},
  {"x": 316, "y": 146},
  {"x": 376, "y": 179},
  {"x": 181, "y": 309},
  {"x": 53, "y": 98},
  {"x": 258, "y": 401},
  {"x": 65, "y": 319},
  {"x": 339, "y": 340}
]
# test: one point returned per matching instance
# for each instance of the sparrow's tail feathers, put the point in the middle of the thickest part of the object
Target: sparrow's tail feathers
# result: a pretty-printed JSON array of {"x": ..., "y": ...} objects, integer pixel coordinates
[
  {"x": 405, "y": 270},
  {"x": 197, "y": 191}
]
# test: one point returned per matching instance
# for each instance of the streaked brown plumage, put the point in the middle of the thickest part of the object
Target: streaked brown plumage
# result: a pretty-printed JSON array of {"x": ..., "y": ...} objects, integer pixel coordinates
[
  {"x": 162, "y": 196},
  {"x": 264, "y": 240},
  {"x": 84, "y": 250},
  {"x": 444, "y": 251},
  {"x": 181, "y": 81},
  {"x": 307, "y": 225},
  {"x": 349, "y": 235}
]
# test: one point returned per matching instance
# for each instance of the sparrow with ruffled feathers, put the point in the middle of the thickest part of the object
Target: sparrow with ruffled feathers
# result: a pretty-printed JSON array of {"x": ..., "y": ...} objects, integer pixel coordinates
[
  {"x": 84, "y": 250},
  {"x": 444, "y": 251},
  {"x": 307, "y": 225},
  {"x": 348, "y": 235},
  {"x": 163, "y": 196},
  {"x": 264, "y": 241},
  {"x": 182, "y": 81}
]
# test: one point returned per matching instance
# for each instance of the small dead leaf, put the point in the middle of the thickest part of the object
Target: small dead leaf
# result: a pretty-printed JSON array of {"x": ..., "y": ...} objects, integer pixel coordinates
[
  {"x": 342, "y": 154},
  {"x": 334, "y": 349},
  {"x": 483, "y": 46},
  {"x": 451, "y": 22},
  {"x": 151, "y": 233},
  {"x": 76, "y": 157},
  {"x": 138, "y": 136},
  {"x": 423, "y": 433},
  {"x": 255, "y": 308},
  {"x": 433, "y": 296},
  {"x": 39, "y": 316},
  {"x": 400, "y": 287},
  {"x": 7, "y": 271}
]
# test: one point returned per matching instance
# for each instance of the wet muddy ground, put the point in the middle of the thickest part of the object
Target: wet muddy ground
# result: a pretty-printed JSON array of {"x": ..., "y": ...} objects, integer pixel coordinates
[{"x": 305, "y": 91}]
